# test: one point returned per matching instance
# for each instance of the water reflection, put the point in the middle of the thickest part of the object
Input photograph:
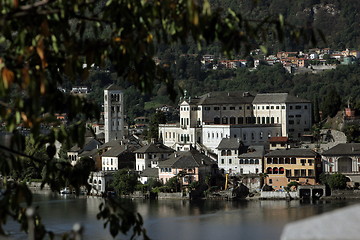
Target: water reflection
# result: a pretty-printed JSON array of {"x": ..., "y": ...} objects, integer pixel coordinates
[{"x": 181, "y": 219}]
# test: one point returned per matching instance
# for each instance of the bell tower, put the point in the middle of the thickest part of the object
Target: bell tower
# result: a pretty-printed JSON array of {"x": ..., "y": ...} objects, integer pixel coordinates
[{"x": 113, "y": 113}]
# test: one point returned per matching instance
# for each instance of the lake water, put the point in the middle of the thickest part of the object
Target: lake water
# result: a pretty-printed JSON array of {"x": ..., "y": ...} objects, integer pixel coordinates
[{"x": 181, "y": 219}]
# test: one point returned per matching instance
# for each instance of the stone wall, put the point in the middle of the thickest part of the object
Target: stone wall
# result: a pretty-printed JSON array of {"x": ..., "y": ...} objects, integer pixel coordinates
[{"x": 278, "y": 195}]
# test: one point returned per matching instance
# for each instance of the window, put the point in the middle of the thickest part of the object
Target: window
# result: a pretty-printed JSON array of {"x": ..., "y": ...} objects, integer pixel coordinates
[
  {"x": 247, "y": 107},
  {"x": 232, "y": 120},
  {"x": 272, "y": 107},
  {"x": 311, "y": 173},
  {"x": 216, "y": 108},
  {"x": 303, "y": 161},
  {"x": 223, "y": 153},
  {"x": 246, "y": 161},
  {"x": 293, "y": 160},
  {"x": 241, "y": 161},
  {"x": 281, "y": 170},
  {"x": 270, "y": 181},
  {"x": 267, "y": 107},
  {"x": 291, "y": 122},
  {"x": 222, "y": 161},
  {"x": 297, "y": 107},
  {"x": 216, "y": 120},
  {"x": 291, "y": 107},
  {"x": 298, "y": 115},
  {"x": 305, "y": 107},
  {"x": 269, "y": 170},
  {"x": 310, "y": 161},
  {"x": 291, "y": 116},
  {"x": 288, "y": 172},
  {"x": 224, "y": 108},
  {"x": 248, "y": 120},
  {"x": 206, "y": 108},
  {"x": 256, "y": 161},
  {"x": 282, "y": 107},
  {"x": 269, "y": 160},
  {"x": 232, "y": 108},
  {"x": 240, "y": 108},
  {"x": 277, "y": 107},
  {"x": 240, "y": 120},
  {"x": 224, "y": 120},
  {"x": 230, "y": 161}
]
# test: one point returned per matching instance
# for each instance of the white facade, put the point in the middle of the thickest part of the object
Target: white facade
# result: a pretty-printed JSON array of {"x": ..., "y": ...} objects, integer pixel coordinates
[
  {"x": 113, "y": 113},
  {"x": 110, "y": 163},
  {"x": 252, "y": 119},
  {"x": 228, "y": 160},
  {"x": 248, "y": 134}
]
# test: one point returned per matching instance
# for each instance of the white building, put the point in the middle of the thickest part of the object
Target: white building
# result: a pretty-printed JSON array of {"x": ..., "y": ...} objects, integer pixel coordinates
[
  {"x": 292, "y": 113},
  {"x": 235, "y": 158},
  {"x": 149, "y": 156},
  {"x": 117, "y": 157},
  {"x": 113, "y": 113},
  {"x": 205, "y": 120},
  {"x": 99, "y": 182},
  {"x": 251, "y": 162}
]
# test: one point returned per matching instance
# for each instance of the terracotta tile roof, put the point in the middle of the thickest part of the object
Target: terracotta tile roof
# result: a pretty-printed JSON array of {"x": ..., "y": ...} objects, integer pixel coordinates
[{"x": 278, "y": 139}]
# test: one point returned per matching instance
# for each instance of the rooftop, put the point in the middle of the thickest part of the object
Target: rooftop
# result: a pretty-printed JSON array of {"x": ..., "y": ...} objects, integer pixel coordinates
[
  {"x": 292, "y": 152},
  {"x": 343, "y": 149},
  {"x": 277, "y": 98},
  {"x": 189, "y": 159}
]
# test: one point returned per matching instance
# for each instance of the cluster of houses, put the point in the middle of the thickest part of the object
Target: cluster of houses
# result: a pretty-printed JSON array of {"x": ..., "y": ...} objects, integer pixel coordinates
[
  {"x": 241, "y": 134},
  {"x": 290, "y": 60}
]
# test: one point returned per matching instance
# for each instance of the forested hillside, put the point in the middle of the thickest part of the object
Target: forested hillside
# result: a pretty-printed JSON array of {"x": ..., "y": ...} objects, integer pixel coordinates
[{"x": 338, "y": 20}]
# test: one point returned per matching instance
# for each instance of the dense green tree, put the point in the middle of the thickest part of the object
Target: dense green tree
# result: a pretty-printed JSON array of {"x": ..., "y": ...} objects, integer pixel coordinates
[
  {"x": 316, "y": 111},
  {"x": 173, "y": 184},
  {"x": 125, "y": 181},
  {"x": 331, "y": 103},
  {"x": 157, "y": 118},
  {"x": 334, "y": 181}
]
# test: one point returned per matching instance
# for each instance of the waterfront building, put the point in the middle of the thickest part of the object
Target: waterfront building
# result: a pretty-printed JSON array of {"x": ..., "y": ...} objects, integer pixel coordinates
[
  {"x": 100, "y": 182},
  {"x": 189, "y": 166},
  {"x": 228, "y": 152},
  {"x": 113, "y": 113},
  {"x": 149, "y": 173},
  {"x": 251, "y": 161},
  {"x": 294, "y": 164},
  {"x": 343, "y": 158},
  {"x": 206, "y": 120},
  {"x": 149, "y": 155},
  {"x": 118, "y": 157}
]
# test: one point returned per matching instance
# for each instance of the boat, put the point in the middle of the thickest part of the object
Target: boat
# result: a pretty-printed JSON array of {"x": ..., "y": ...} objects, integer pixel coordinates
[{"x": 65, "y": 191}]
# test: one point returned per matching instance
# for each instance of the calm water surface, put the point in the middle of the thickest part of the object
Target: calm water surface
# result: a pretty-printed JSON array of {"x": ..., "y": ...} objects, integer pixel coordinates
[{"x": 180, "y": 219}]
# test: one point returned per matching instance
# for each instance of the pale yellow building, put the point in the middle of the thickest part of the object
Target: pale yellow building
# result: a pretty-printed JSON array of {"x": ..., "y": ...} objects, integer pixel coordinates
[{"x": 287, "y": 165}]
